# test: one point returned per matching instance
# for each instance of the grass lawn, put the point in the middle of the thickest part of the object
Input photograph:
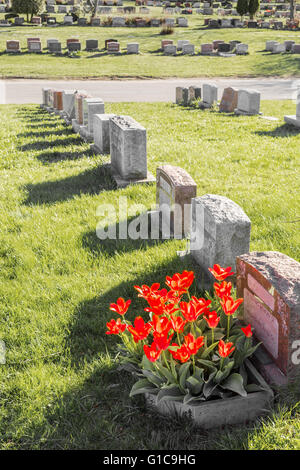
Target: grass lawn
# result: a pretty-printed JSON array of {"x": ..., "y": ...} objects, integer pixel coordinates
[
  {"x": 150, "y": 62},
  {"x": 60, "y": 388}
]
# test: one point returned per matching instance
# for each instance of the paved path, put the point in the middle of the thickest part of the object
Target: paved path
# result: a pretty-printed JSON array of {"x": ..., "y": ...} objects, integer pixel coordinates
[{"x": 29, "y": 91}]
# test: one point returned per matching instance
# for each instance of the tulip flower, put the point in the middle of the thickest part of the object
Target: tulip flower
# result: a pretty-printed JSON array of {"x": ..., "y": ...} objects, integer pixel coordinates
[
  {"x": 220, "y": 273},
  {"x": 193, "y": 344},
  {"x": 162, "y": 341},
  {"x": 150, "y": 292},
  {"x": 115, "y": 327},
  {"x": 247, "y": 331},
  {"x": 140, "y": 330},
  {"x": 212, "y": 319},
  {"x": 181, "y": 354},
  {"x": 180, "y": 283},
  {"x": 229, "y": 305},
  {"x": 178, "y": 324},
  {"x": 121, "y": 306},
  {"x": 223, "y": 289},
  {"x": 225, "y": 349},
  {"x": 152, "y": 352},
  {"x": 161, "y": 325}
]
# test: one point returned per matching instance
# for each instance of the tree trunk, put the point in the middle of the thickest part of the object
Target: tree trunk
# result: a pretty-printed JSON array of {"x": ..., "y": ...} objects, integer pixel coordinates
[
  {"x": 96, "y": 3},
  {"x": 292, "y": 9}
]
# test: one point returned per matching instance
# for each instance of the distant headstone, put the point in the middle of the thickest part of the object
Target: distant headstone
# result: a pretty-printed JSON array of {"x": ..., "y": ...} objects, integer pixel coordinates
[
  {"x": 69, "y": 104},
  {"x": 269, "y": 282},
  {"x": 296, "y": 48},
  {"x": 248, "y": 102},
  {"x": 241, "y": 49},
  {"x": 229, "y": 100},
  {"x": 182, "y": 96},
  {"x": 223, "y": 47},
  {"x": 288, "y": 45},
  {"x": 34, "y": 46},
  {"x": 113, "y": 47},
  {"x": 220, "y": 232},
  {"x": 68, "y": 20},
  {"x": 165, "y": 42},
  {"x": 82, "y": 21},
  {"x": 54, "y": 47},
  {"x": 209, "y": 95},
  {"x": 175, "y": 189},
  {"x": 181, "y": 42},
  {"x": 206, "y": 49},
  {"x": 278, "y": 48},
  {"x": 13, "y": 46},
  {"x": 91, "y": 45},
  {"x": 58, "y": 100},
  {"x": 188, "y": 49},
  {"x": 182, "y": 22},
  {"x": 133, "y": 48},
  {"x": 294, "y": 120},
  {"x": 170, "y": 49},
  {"x": 128, "y": 151},
  {"x": 101, "y": 132},
  {"x": 91, "y": 106},
  {"x": 19, "y": 21}
]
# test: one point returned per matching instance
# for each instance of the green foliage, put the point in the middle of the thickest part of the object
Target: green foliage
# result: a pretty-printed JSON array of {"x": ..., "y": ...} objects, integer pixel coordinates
[
  {"x": 253, "y": 7},
  {"x": 242, "y": 7},
  {"x": 28, "y": 7}
]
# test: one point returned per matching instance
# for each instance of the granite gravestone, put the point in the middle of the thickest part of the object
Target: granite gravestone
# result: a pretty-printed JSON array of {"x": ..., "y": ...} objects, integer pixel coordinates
[{"x": 269, "y": 282}]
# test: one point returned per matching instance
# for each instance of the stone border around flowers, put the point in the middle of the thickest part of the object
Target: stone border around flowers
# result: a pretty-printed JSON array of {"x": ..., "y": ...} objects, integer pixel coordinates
[{"x": 221, "y": 411}]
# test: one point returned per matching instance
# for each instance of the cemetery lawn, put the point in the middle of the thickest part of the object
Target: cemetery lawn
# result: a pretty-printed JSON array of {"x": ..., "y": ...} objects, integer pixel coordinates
[
  {"x": 60, "y": 387},
  {"x": 150, "y": 63}
]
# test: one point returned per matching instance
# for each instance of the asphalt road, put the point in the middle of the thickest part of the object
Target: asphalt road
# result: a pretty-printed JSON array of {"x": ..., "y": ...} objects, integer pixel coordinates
[{"x": 29, "y": 91}]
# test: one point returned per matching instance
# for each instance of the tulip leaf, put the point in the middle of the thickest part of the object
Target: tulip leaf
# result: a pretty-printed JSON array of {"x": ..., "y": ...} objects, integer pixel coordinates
[
  {"x": 208, "y": 350},
  {"x": 254, "y": 388},
  {"x": 235, "y": 383},
  {"x": 223, "y": 374},
  {"x": 141, "y": 386},
  {"x": 170, "y": 393},
  {"x": 194, "y": 385},
  {"x": 153, "y": 378},
  {"x": 167, "y": 374},
  {"x": 183, "y": 372},
  {"x": 206, "y": 363}
]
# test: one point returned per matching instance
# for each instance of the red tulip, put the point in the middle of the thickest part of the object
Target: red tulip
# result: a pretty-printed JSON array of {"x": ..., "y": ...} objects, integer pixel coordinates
[
  {"x": 201, "y": 305},
  {"x": 223, "y": 289},
  {"x": 150, "y": 292},
  {"x": 178, "y": 324},
  {"x": 115, "y": 327},
  {"x": 225, "y": 349},
  {"x": 162, "y": 341},
  {"x": 152, "y": 352},
  {"x": 220, "y": 273},
  {"x": 161, "y": 325},
  {"x": 121, "y": 306},
  {"x": 229, "y": 305},
  {"x": 212, "y": 319},
  {"x": 193, "y": 344},
  {"x": 247, "y": 331},
  {"x": 140, "y": 330},
  {"x": 181, "y": 354},
  {"x": 180, "y": 283}
]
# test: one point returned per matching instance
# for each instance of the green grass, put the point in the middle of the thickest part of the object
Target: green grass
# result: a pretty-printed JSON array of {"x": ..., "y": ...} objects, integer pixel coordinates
[
  {"x": 60, "y": 388},
  {"x": 150, "y": 62}
]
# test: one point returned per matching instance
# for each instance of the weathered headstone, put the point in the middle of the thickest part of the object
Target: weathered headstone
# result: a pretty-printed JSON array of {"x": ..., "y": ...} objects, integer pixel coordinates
[
  {"x": 181, "y": 42},
  {"x": 91, "y": 44},
  {"x": 296, "y": 48},
  {"x": 248, "y": 102},
  {"x": 165, "y": 42},
  {"x": 13, "y": 46},
  {"x": 113, "y": 47},
  {"x": 220, "y": 232},
  {"x": 209, "y": 95},
  {"x": 182, "y": 95},
  {"x": 58, "y": 100},
  {"x": 170, "y": 49},
  {"x": 188, "y": 49},
  {"x": 68, "y": 20},
  {"x": 288, "y": 45},
  {"x": 269, "y": 282},
  {"x": 206, "y": 49},
  {"x": 91, "y": 106},
  {"x": 229, "y": 100},
  {"x": 101, "y": 133},
  {"x": 133, "y": 48},
  {"x": 128, "y": 151},
  {"x": 241, "y": 49},
  {"x": 34, "y": 46},
  {"x": 175, "y": 189},
  {"x": 69, "y": 105},
  {"x": 74, "y": 46},
  {"x": 278, "y": 48},
  {"x": 294, "y": 120}
]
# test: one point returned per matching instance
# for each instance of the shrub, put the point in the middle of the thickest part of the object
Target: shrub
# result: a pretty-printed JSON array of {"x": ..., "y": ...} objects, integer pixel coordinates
[{"x": 166, "y": 30}]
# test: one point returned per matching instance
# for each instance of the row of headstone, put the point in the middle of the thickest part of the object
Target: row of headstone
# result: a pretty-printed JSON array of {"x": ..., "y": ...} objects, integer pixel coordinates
[
  {"x": 287, "y": 46},
  {"x": 122, "y": 136},
  {"x": 238, "y": 101},
  {"x": 217, "y": 47}
]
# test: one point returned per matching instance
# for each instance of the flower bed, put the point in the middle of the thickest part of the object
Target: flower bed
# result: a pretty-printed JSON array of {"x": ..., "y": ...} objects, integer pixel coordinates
[{"x": 191, "y": 356}]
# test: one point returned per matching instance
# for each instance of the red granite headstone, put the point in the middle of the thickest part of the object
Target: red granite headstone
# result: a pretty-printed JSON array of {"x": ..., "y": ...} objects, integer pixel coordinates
[
  {"x": 269, "y": 282},
  {"x": 175, "y": 189},
  {"x": 229, "y": 100}
]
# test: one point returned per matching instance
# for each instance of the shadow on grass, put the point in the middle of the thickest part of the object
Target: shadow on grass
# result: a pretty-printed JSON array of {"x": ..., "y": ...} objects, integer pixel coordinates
[
  {"x": 285, "y": 130},
  {"x": 45, "y": 144},
  {"x": 51, "y": 157},
  {"x": 64, "y": 131},
  {"x": 290, "y": 63},
  {"x": 90, "y": 182},
  {"x": 111, "y": 247}
]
